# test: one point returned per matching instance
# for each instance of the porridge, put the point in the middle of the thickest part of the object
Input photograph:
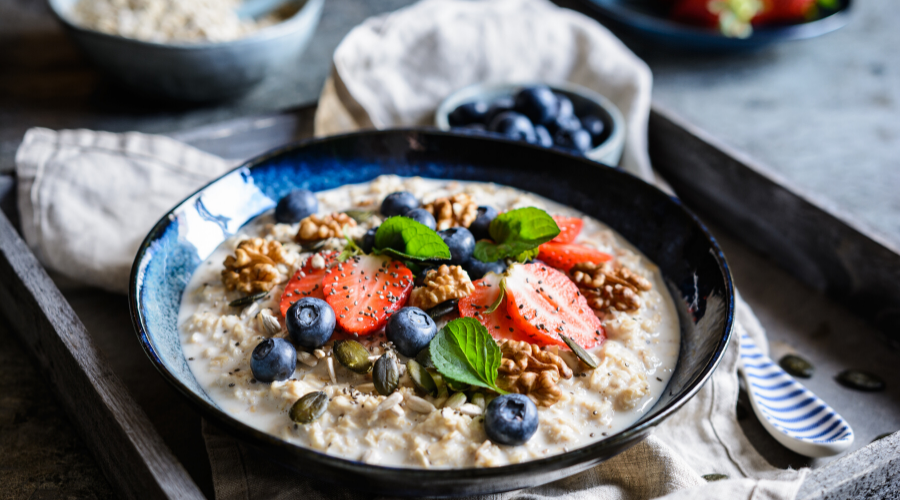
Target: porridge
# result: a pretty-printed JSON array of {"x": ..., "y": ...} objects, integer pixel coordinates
[{"x": 400, "y": 341}]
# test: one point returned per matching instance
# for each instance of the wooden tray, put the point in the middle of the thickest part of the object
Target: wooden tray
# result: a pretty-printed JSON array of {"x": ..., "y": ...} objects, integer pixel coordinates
[{"x": 148, "y": 442}]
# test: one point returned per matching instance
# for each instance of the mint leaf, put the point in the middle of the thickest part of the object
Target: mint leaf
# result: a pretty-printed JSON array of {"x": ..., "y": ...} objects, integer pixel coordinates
[
  {"x": 465, "y": 352},
  {"x": 350, "y": 249},
  {"x": 404, "y": 238},
  {"x": 515, "y": 233}
]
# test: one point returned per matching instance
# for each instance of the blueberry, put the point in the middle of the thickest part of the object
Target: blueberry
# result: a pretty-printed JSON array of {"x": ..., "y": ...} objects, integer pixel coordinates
[
  {"x": 296, "y": 205},
  {"x": 398, "y": 203},
  {"x": 594, "y": 126},
  {"x": 471, "y": 112},
  {"x": 410, "y": 329},
  {"x": 511, "y": 419},
  {"x": 310, "y": 322},
  {"x": 422, "y": 216},
  {"x": 273, "y": 359},
  {"x": 498, "y": 106},
  {"x": 368, "y": 240},
  {"x": 538, "y": 103},
  {"x": 477, "y": 269},
  {"x": 513, "y": 125},
  {"x": 482, "y": 223},
  {"x": 543, "y": 136},
  {"x": 461, "y": 244},
  {"x": 579, "y": 140},
  {"x": 565, "y": 108},
  {"x": 570, "y": 122}
]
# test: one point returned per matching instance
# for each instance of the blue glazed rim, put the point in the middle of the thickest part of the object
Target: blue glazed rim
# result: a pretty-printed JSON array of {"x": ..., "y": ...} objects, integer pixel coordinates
[
  {"x": 436, "y": 482},
  {"x": 687, "y": 36}
]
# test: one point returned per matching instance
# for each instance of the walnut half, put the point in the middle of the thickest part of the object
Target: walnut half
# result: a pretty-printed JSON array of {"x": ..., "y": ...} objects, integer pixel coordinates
[
  {"x": 319, "y": 227},
  {"x": 609, "y": 286},
  {"x": 440, "y": 285},
  {"x": 453, "y": 211},
  {"x": 252, "y": 268},
  {"x": 527, "y": 369}
]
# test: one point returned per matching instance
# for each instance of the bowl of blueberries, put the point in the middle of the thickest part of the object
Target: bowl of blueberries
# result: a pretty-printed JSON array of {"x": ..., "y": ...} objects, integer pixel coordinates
[{"x": 564, "y": 116}]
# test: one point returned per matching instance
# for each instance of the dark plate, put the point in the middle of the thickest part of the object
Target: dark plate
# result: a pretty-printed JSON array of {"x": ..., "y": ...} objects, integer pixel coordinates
[
  {"x": 648, "y": 19},
  {"x": 657, "y": 224}
]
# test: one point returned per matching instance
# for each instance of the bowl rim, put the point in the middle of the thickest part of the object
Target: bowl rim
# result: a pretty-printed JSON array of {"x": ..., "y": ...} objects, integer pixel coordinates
[
  {"x": 592, "y": 453},
  {"x": 614, "y": 141},
  {"x": 261, "y": 35},
  {"x": 664, "y": 27}
]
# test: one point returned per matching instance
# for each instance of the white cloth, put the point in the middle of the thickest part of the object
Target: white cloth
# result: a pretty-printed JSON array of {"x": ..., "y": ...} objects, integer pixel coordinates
[
  {"x": 88, "y": 198},
  {"x": 393, "y": 70}
]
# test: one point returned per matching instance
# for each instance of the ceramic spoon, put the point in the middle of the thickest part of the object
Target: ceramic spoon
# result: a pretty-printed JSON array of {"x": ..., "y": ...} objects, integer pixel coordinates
[
  {"x": 796, "y": 417},
  {"x": 252, "y": 9}
]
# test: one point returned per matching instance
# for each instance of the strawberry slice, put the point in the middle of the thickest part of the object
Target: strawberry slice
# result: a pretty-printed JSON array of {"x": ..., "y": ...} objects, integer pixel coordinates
[
  {"x": 365, "y": 290},
  {"x": 544, "y": 303},
  {"x": 569, "y": 228},
  {"x": 565, "y": 255},
  {"x": 307, "y": 282},
  {"x": 499, "y": 322}
]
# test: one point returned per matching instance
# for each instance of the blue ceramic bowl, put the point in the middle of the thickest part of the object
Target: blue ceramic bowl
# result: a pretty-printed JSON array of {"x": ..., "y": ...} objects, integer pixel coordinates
[
  {"x": 196, "y": 71},
  {"x": 659, "y": 225},
  {"x": 649, "y": 20}
]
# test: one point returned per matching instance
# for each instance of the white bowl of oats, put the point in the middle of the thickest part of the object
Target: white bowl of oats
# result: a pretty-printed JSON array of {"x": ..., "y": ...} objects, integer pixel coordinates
[{"x": 191, "y": 50}]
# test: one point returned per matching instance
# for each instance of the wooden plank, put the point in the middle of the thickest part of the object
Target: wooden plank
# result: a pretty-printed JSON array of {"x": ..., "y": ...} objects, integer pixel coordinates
[
  {"x": 821, "y": 246},
  {"x": 125, "y": 444}
]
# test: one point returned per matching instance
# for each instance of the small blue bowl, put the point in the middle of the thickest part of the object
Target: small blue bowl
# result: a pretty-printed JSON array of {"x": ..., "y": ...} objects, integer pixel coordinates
[
  {"x": 586, "y": 101},
  {"x": 657, "y": 224},
  {"x": 196, "y": 71}
]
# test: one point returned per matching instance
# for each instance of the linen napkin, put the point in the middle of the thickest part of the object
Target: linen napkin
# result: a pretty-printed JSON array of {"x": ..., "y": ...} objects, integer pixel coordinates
[{"x": 88, "y": 198}]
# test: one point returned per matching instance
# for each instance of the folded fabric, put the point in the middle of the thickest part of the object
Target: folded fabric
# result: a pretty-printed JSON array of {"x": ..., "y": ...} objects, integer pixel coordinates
[
  {"x": 87, "y": 199},
  {"x": 393, "y": 70}
]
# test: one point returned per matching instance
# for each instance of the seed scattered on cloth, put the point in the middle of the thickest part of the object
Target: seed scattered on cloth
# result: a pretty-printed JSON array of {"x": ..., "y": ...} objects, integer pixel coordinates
[
  {"x": 860, "y": 380},
  {"x": 797, "y": 366}
]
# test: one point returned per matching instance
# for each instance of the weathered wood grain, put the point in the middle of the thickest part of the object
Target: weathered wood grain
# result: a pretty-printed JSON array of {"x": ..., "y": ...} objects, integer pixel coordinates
[
  {"x": 126, "y": 446},
  {"x": 818, "y": 244}
]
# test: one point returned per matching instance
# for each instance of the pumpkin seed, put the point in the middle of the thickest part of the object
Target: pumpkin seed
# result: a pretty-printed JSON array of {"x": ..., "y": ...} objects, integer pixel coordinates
[
  {"x": 860, "y": 380},
  {"x": 478, "y": 400},
  {"x": 882, "y": 436},
  {"x": 457, "y": 386},
  {"x": 421, "y": 378},
  {"x": 585, "y": 357},
  {"x": 424, "y": 358},
  {"x": 444, "y": 308},
  {"x": 352, "y": 355},
  {"x": 386, "y": 374},
  {"x": 797, "y": 366},
  {"x": 714, "y": 477},
  {"x": 248, "y": 299},
  {"x": 360, "y": 216},
  {"x": 309, "y": 407},
  {"x": 313, "y": 246}
]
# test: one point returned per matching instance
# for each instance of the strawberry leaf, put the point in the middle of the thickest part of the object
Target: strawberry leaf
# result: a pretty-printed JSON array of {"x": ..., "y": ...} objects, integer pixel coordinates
[
  {"x": 517, "y": 234},
  {"x": 404, "y": 238},
  {"x": 464, "y": 351}
]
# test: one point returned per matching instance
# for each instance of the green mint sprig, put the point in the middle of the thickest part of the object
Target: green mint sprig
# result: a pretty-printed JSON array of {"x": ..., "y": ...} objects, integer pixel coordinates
[
  {"x": 403, "y": 238},
  {"x": 464, "y": 351},
  {"x": 517, "y": 234}
]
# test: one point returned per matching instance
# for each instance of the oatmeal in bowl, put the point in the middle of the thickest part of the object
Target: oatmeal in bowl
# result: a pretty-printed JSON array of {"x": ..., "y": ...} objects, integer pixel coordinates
[
  {"x": 427, "y": 323},
  {"x": 419, "y": 313}
]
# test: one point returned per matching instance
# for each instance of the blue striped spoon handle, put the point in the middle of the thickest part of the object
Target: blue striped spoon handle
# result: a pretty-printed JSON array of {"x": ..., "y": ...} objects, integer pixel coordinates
[{"x": 792, "y": 414}]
